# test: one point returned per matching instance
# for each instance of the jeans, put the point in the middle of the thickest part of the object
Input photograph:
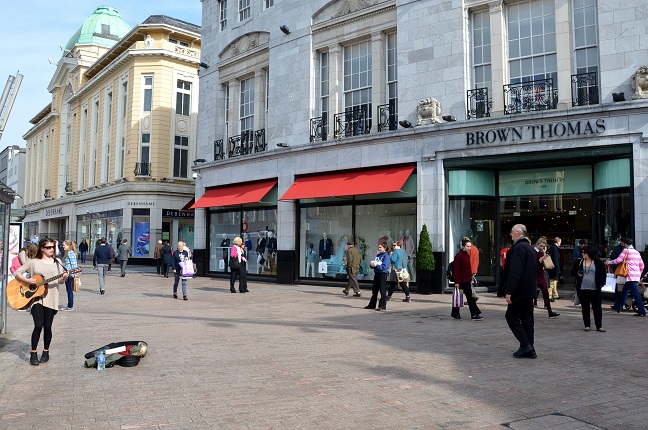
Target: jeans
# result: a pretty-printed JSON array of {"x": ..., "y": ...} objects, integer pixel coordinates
[
  {"x": 630, "y": 286},
  {"x": 178, "y": 275},
  {"x": 101, "y": 272},
  {"x": 83, "y": 256},
  {"x": 68, "y": 287}
]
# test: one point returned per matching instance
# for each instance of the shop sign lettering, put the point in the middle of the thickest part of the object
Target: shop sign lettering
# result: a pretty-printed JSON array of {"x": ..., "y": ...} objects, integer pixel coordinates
[
  {"x": 53, "y": 212},
  {"x": 140, "y": 204},
  {"x": 536, "y": 131},
  {"x": 174, "y": 213}
]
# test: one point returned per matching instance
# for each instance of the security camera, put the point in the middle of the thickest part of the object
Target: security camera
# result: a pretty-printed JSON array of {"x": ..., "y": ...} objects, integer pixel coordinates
[{"x": 87, "y": 212}]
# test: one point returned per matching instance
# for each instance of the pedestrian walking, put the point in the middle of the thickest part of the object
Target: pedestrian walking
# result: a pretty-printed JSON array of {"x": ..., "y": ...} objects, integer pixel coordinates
[
  {"x": 157, "y": 254},
  {"x": 519, "y": 283},
  {"x": 353, "y": 261},
  {"x": 381, "y": 267},
  {"x": 238, "y": 266},
  {"x": 100, "y": 260},
  {"x": 541, "y": 254},
  {"x": 179, "y": 256},
  {"x": 124, "y": 252},
  {"x": 635, "y": 264},
  {"x": 45, "y": 308},
  {"x": 398, "y": 264},
  {"x": 167, "y": 258},
  {"x": 83, "y": 250},
  {"x": 70, "y": 262},
  {"x": 554, "y": 274},
  {"x": 590, "y": 276},
  {"x": 463, "y": 276}
]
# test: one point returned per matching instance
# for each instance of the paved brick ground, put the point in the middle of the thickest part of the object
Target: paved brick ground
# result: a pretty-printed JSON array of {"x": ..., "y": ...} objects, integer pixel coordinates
[{"x": 304, "y": 357}]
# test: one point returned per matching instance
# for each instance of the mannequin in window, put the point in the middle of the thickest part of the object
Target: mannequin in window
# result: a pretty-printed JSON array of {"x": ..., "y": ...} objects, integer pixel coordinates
[
  {"x": 408, "y": 243},
  {"x": 260, "y": 249},
  {"x": 386, "y": 238},
  {"x": 272, "y": 252},
  {"x": 325, "y": 247},
  {"x": 311, "y": 255},
  {"x": 225, "y": 247}
]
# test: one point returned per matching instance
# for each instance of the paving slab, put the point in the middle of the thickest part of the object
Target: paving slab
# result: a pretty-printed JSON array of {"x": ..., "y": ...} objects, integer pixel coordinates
[{"x": 309, "y": 357}]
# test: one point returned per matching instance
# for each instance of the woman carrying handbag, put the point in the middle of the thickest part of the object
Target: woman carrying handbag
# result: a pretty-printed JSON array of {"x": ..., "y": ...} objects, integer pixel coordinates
[
  {"x": 238, "y": 266},
  {"x": 590, "y": 277}
]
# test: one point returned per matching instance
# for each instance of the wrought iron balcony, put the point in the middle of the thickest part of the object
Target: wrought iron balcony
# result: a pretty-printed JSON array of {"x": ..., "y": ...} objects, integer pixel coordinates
[
  {"x": 387, "y": 117},
  {"x": 68, "y": 187},
  {"x": 478, "y": 103},
  {"x": 143, "y": 169},
  {"x": 319, "y": 128},
  {"x": 219, "y": 150},
  {"x": 584, "y": 87},
  {"x": 530, "y": 96},
  {"x": 248, "y": 142},
  {"x": 355, "y": 121},
  {"x": 47, "y": 194}
]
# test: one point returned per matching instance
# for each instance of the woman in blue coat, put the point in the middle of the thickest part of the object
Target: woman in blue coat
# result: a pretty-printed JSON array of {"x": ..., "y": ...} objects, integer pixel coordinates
[{"x": 381, "y": 267}]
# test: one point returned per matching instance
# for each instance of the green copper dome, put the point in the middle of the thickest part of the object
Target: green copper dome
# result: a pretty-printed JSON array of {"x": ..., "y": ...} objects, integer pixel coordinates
[{"x": 104, "y": 28}]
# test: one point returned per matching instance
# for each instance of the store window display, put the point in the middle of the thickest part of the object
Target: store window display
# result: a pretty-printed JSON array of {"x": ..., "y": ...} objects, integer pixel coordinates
[{"x": 311, "y": 256}]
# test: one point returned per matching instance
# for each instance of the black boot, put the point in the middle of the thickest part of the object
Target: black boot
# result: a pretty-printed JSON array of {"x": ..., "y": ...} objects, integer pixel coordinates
[
  {"x": 45, "y": 357},
  {"x": 33, "y": 359}
]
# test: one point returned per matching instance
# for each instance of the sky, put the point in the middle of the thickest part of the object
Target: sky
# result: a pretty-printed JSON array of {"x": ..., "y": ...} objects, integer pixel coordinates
[{"x": 32, "y": 32}]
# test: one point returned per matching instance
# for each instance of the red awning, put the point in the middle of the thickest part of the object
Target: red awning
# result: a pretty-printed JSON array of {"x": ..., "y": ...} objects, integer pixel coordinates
[
  {"x": 235, "y": 195},
  {"x": 189, "y": 204},
  {"x": 387, "y": 180}
]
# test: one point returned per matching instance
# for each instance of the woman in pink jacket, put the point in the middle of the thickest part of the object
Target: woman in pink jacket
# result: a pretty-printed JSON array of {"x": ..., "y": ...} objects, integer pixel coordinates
[
  {"x": 635, "y": 268},
  {"x": 238, "y": 266}
]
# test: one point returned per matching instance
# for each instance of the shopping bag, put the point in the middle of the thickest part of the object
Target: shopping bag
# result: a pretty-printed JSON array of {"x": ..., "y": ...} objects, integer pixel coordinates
[
  {"x": 610, "y": 284},
  {"x": 221, "y": 264},
  {"x": 548, "y": 263},
  {"x": 621, "y": 280},
  {"x": 76, "y": 283},
  {"x": 457, "y": 299},
  {"x": 321, "y": 267},
  {"x": 187, "y": 267},
  {"x": 402, "y": 275}
]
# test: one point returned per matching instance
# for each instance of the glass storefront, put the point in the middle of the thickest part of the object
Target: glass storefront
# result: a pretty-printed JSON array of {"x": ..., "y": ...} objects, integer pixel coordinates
[
  {"x": 326, "y": 230},
  {"x": 94, "y": 226},
  {"x": 257, "y": 228}
]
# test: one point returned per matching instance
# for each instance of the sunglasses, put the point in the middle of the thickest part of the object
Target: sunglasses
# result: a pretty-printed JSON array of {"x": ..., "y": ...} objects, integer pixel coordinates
[{"x": 49, "y": 247}]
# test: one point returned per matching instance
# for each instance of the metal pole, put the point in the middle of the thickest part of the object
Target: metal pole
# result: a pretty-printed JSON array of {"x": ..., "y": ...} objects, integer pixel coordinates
[
  {"x": 5, "y": 265},
  {"x": 8, "y": 97}
]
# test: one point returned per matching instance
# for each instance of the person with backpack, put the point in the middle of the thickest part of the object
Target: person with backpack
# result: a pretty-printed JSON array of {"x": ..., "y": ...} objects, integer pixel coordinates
[{"x": 462, "y": 273}]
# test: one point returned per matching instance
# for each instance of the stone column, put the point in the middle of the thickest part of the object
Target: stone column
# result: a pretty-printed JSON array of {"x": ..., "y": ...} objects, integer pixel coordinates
[
  {"x": 335, "y": 87},
  {"x": 563, "y": 53},
  {"x": 499, "y": 61},
  {"x": 259, "y": 99},
  {"x": 378, "y": 76}
]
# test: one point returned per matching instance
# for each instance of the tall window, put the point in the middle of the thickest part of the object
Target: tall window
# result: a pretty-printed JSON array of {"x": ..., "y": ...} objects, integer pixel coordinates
[
  {"x": 145, "y": 154},
  {"x": 585, "y": 40},
  {"x": 82, "y": 148},
  {"x": 246, "y": 107},
  {"x": 121, "y": 138},
  {"x": 94, "y": 132},
  {"x": 148, "y": 94},
  {"x": 267, "y": 88},
  {"x": 244, "y": 9},
  {"x": 481, "y": 52},
  {"x": 105, "y": 147},
  {"x": 183, "y": 98},
  {"x": 222, "y": 14},
  {"x": 324, "y": 92},
  {"x": 532, "y": 41},
  {"x": 357, "y": 86},
  {"x": 392, "y": 80},
  {"x": 268, "y": 3},
  {"x": 227, "y": 110},
  {"x": 181, "y": 157}
]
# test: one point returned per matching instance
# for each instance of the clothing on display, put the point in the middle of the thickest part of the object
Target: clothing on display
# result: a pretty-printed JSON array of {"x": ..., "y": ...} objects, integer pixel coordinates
[{"x": 325, "y": 248}]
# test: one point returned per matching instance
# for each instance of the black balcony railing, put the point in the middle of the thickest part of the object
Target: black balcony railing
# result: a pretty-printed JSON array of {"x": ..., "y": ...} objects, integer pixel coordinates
[
  {"x": 47, "y": 194},
  {"x": 530, "y": 96},
  {"x": 143, "y": 169},
  {"x": 68, "y": 187},
  {"x": 355, "y": 121},
  {"x": 219, "y": 150},
  {"x": 387, "y": 117},
  {"x": 584, "y": 87},
  {"x": 248, "y": 142},
  {"x": 319, "y": 128},
  {"x": 478, "y": 103}
]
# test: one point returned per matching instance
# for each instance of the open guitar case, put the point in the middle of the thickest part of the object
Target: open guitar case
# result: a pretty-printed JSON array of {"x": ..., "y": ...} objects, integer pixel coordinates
[{"x": 138, "y": 350}]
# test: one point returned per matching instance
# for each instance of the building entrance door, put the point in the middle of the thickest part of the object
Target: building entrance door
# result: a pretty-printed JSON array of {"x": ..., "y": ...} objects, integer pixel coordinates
[{"x": 568, "y": 216}]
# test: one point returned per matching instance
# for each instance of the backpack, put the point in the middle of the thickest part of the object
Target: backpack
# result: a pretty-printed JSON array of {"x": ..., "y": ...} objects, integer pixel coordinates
[{"x": 450, "y": 272}]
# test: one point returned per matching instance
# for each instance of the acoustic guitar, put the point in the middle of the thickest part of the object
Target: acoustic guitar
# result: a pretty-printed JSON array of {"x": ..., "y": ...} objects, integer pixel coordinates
[{"x": 20, "y": 295}]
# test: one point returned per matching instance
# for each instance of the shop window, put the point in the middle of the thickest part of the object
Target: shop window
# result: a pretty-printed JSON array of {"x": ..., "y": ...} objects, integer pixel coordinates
[
  {"x": 259, "y": 232},
  {"x": 324, "y": 234},
  {"x": 223, "y": 227},
  {"x": 613, "y": 221}
]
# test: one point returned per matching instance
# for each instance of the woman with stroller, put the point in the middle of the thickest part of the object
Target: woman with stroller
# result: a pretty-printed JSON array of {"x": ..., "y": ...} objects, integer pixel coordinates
[
  {"x": 635, "y": 266},
  {"x": 590, "y": 276}
]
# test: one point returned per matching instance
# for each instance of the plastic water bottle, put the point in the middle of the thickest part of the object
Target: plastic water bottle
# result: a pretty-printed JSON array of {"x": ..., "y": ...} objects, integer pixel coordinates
[{"x": 101, "y": 361}]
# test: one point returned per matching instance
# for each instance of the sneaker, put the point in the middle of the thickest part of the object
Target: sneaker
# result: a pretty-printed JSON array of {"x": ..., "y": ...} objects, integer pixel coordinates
[
  {"x": 175, "y": 296},
  {"x": 345, "y": 292},
  {"x": 381, "y": 309},
  {"x": 407, "y": 299},
  {"x": 65, "y": 308},
  {"x": 357, "y": 295},
  {"x": 103, "y": 291},
  {"x": 476, "y": 317},
  {"x": 185, "y": 297},
  {"x": 458, "y": 317},
  {"x": 554, "y": 315}
]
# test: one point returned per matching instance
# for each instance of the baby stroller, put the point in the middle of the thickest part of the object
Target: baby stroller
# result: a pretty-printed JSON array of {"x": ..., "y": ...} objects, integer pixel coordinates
[{"x": 643, "y": 292}]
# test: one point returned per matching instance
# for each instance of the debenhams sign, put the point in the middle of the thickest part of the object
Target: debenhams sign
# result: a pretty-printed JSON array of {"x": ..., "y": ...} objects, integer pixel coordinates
[{"x": 558, "y": 130}]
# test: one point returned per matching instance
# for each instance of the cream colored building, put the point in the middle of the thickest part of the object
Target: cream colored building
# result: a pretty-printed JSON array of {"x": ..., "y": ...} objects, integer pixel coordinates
[{"x": 111, "y": 154}]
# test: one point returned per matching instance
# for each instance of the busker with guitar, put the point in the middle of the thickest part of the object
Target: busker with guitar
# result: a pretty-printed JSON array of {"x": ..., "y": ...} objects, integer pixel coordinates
[{"x": 44, "y": 308}]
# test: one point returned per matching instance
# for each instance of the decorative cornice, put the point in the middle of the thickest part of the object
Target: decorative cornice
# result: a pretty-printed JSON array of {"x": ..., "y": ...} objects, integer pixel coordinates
[
  {"x": 351, "y": 6},
  {"x": 357, "y": 18}
]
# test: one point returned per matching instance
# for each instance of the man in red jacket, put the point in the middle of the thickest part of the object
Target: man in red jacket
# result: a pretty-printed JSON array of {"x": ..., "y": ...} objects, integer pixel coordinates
[{"x": 462, "y": 277}]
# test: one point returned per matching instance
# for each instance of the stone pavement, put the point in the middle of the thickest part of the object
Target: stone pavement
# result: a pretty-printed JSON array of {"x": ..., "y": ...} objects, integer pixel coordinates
[{"x": 306, "y": 357}]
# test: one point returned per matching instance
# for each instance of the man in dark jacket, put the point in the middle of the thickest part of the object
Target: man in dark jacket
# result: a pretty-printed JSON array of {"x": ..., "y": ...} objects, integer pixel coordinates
[
  {"x": 554, "y": 274},
  {"x": 519, "y": 282},
  {"x": 102, "y": 256}
]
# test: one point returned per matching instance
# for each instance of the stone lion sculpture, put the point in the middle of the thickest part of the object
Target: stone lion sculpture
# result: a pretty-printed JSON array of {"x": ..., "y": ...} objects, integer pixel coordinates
[
  {"x": 429, "y": 111},
  {"x": 639, "y": 82}
]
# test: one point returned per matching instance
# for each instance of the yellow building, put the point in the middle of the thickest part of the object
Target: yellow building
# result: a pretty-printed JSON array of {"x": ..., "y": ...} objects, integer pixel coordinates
[{"x": 110, "y": 155}]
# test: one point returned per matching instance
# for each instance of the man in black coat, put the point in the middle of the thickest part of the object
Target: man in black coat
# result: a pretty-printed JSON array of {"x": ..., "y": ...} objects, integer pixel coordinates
[{"x": 519, "y": 282}]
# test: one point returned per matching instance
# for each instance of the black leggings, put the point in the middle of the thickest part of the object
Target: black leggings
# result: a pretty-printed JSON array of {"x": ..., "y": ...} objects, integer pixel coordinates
[{"x": 43, "y": 319}]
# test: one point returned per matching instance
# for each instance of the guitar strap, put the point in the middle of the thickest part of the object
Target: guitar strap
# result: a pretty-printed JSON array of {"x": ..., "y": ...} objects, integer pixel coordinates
[{"x": 58, "y": 262}]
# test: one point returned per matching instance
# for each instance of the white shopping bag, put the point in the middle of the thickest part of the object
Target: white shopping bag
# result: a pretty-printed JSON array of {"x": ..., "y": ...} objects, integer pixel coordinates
[
  {"x": 321, "y": 268},
  {"x": 221, "y": 264},
  {"x": 610, "y": 284}
]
